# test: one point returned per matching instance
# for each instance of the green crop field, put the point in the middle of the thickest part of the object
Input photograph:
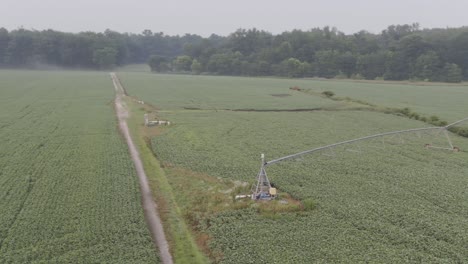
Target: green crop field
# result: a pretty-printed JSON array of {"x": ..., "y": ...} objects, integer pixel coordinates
[
  {"x": 217, "y": 93},
  {"x": 68, "y": 190},
  {"x": 377, "y": 202},
  {"x": 444, "y": 100}
]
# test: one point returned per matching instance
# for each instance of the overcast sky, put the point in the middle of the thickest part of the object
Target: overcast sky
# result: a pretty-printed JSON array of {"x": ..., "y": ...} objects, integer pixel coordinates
[{"x": 205, "y": 17}]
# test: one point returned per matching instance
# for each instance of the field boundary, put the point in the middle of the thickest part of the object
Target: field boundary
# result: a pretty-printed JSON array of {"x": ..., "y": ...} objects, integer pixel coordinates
[
  {"x": 149, "y": 206},
  {"x": 403, "y": 112}
]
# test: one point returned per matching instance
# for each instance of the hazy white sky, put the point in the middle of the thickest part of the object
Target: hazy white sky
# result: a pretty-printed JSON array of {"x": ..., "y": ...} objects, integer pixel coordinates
[{"x": 204, "y": 17}]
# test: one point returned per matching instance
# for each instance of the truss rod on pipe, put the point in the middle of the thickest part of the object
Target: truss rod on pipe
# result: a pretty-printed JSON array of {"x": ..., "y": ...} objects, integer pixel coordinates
[
  {"x": 457, "y": 122},
  {"x": 265, "y": 191},
  {"x": 352, "y": 141}
]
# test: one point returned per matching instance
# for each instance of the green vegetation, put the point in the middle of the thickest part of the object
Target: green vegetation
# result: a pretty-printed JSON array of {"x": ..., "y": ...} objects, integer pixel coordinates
[
  {"x": 218, "y": 93},
  {"x": 400, "y": 52},
  {"x": 68, "y": 189},
  {"x": 181, "y": 242},
  {"x": 328, "y": 93},
  {"x": 443, "y": 100},
  {"x": 207, "y": 92},
  {"x": 371, "y": 202}
]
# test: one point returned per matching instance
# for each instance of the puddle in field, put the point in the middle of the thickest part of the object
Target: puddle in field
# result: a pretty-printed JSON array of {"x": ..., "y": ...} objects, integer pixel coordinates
[{"x": 280, "y": 95}]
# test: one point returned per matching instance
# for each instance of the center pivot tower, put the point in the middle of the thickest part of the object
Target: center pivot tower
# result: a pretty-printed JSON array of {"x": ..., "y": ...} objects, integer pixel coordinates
[{"x": 263, "y": 190}]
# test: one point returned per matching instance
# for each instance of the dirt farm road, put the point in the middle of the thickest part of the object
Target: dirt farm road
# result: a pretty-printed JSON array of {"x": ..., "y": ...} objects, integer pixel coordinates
[{"x": 149, "y": 206}]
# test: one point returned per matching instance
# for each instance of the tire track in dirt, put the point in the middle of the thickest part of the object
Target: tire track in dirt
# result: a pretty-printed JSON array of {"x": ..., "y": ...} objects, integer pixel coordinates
[{"x": 149, "y": 206}]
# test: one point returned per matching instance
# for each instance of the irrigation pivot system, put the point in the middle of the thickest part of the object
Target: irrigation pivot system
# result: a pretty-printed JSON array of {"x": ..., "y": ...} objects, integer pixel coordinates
[{"x": 264, "y": 191}]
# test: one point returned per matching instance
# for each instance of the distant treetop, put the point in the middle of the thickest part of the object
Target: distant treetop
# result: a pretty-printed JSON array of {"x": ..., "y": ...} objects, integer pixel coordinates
[{"x": 400, "y": 52}]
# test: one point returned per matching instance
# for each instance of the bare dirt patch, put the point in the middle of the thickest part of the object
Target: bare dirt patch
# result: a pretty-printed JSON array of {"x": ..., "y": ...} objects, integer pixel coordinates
[{"x": 150, "y": 208}]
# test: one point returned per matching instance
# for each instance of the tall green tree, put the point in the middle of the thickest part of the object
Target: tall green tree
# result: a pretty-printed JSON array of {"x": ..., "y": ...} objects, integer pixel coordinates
[
  {"x": 452, "y": 73},
  {"x": 346, "y": 63},
  {"x": 158, "y": 63},
  {"x": 4, "y": 40},
  {"x": 371, "y": 66},
  {"x": 364, "y": 42},
  {"x": 196, "y": 67},
  {"x": 249, "y": 41},
  {"x": 326, "y": 63},
  {"x": 458, "y": 52},
  {"x": 182, "y": 63},
  {"x": 396, "y": 66},
  {"x": 221, "y": 63},
  {"x": 293, "y": 67},
  {"x": 428, "y": 67},
  {"x": 20, "y": 49},
  {"x": 105, "y": 58}
]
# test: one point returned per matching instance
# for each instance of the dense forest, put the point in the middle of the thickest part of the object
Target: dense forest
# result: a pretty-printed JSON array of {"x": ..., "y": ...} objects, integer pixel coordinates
[{"x": 400, "y": 52}]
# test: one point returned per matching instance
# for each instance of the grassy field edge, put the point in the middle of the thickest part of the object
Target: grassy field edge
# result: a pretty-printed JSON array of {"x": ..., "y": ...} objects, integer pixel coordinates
[{"x": 182, "y": 244}]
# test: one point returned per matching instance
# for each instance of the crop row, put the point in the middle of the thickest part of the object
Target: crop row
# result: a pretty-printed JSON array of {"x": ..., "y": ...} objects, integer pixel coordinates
[
  {"x": 389, "y": 201},
  {"x": 380, "y": 202},
  {"x": 68, "y": 190}
]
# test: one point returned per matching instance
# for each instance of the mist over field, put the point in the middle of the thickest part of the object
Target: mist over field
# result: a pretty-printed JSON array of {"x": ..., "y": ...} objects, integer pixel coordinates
[{"x": 233, "y": 131}]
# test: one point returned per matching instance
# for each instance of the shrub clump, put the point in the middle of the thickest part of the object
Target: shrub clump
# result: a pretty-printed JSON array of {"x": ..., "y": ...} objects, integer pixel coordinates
[
  {"x": 309, "y": 204},
  {"x": 328, "y": 93}
]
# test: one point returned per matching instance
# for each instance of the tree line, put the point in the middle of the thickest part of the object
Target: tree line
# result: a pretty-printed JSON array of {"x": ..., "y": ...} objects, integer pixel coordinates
[
  {"x": 400, "y": 52},
  {"x": 30, "y": 48}
]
